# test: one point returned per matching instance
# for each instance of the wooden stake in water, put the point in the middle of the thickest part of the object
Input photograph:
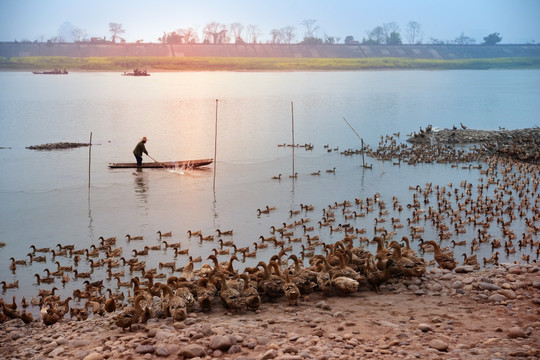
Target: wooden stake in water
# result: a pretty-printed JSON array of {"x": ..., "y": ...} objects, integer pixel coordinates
[
  {"x": 89, "y": 158},
  {"x": 215, "y": 147},
  {"x": 293, "y": 145},
  {"x": 363, "y": 158},
  {"x": 363, "y": 144}
]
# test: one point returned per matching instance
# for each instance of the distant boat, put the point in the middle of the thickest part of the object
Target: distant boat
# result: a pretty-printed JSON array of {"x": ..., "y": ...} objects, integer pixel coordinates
[
  {"x": 136, "y": 72},
  {"x": 53, "y": 72}
]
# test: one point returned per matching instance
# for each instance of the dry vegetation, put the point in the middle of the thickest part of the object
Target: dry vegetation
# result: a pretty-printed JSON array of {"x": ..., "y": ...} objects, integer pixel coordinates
[{"x": 257, "y": 64}]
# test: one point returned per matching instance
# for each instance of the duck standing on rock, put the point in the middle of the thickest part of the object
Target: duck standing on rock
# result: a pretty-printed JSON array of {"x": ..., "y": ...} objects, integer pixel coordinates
[
  {"x": 444, "y": 259},
  {"x": 129, "y": 316},
  {"x": 291, "y": 290},
  {"x": 376, "y": 277},
  {"x": 344, "y": 285},
  {"x": 230, "y": 297},
  {"x": 250, "y": 293}
]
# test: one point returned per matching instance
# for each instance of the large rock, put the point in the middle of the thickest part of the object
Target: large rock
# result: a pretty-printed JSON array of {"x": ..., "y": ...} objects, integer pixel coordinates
[
  {"x": 464, "y": 269},
  {"x": 516, "y": 332},
  {"x": 438, "y": 345},
  {"x": 220, "y": 342},
  {"x": 488, "y": 286},
  {"x": 497, "y": 298},
  {"x": 193, "y": 350}
]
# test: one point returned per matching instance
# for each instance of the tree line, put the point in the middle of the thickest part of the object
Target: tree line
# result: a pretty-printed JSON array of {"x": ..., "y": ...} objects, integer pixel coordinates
[{"x": 236, "y": 33}]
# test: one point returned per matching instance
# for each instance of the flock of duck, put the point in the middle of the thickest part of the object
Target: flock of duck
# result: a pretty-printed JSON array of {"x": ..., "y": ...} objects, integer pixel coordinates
[{"x": 499, "y": 216}]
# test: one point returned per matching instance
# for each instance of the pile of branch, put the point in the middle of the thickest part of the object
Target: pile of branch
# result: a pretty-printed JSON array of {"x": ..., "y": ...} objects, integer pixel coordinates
[{"x": 57, "y": 146}]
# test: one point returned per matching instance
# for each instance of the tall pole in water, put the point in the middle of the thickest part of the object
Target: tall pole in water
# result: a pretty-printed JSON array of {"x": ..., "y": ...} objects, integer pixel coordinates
[
  {"x": 89, "y": 158},
  {"x": 363, "y": 145},
  {"x": 363, "y": 159},
  {"x": 293, "y": 146},
  {"x": 215, "y": 146}
]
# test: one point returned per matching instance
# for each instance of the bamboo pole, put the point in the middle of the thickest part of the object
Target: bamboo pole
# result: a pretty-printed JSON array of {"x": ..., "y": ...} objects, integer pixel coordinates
[
  {"x": 293, "y": 146},
  {"x": 363, "y": 158},
  {"x": 215, "y": 146},
  {"x": 363, "y": 144},
  {"x": 89, "y": 159}
]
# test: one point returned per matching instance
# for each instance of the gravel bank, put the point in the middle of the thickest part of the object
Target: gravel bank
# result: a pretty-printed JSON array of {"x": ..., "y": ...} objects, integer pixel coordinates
[
  {"x": 470, "y": 136},
  {"x": 486, "y": 314}
]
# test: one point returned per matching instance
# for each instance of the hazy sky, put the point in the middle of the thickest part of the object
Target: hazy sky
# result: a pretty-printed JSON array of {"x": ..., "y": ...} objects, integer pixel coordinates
[{"x": 515, "y": 20}]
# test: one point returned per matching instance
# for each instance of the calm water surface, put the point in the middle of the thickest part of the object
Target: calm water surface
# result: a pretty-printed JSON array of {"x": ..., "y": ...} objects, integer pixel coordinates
[{"x": 45, "y": 198}]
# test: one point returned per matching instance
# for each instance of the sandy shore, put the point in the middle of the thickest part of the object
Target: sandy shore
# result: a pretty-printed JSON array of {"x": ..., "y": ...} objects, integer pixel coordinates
[{"x": 465, "y": 314}]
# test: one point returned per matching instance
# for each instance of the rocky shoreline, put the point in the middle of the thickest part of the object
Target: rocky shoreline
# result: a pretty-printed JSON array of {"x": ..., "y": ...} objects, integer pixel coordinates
[
  {"x": 482, "y": 314},
  {"x": 471, "y": 136},
  {"x": 520, "y": 144}
]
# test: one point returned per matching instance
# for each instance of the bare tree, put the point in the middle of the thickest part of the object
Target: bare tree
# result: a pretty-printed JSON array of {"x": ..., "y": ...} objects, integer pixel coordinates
[
  {"x": 414, "y": 32},
  {"x": 215, "y": 33},
  {"x": 189, "y": 35},
  {"x": 330, "y": 39},
  {"x": 311, "y": 28},
  {"x": 235, "y": 30},
  {"x": 288, "y": 34},
  {"x": 78, "y": 34},
  {"x": 116, "y": 29},
  {"x": 389, "y": 28},
  {"x": 276, "y": 36},
  {"x": 253, "y": 33},
  {"x": 65, "y": 32},
  {"x": 464, "y": 40}
]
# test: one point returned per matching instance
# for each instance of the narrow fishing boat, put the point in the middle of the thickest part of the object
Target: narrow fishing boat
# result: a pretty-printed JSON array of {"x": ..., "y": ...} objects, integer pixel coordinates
[
  {"x": 166, "y": 164},
  {"x": 53, "y": 72},
  {"x": 136, "y": 72}
]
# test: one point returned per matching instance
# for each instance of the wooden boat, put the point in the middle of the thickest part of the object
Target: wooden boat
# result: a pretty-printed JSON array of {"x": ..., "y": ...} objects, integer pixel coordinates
[
  {"x": 167, "y": 164},
  {"x": 53, "y": 72},
  {"x": 136, "y": 72}
]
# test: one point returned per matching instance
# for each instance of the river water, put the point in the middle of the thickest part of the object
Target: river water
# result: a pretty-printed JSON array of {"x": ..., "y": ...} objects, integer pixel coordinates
[{"x": 46, "y": 197}]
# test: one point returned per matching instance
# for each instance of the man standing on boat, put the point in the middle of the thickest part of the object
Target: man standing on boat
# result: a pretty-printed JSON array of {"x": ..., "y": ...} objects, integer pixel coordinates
[{"x": 139, "y": 150}]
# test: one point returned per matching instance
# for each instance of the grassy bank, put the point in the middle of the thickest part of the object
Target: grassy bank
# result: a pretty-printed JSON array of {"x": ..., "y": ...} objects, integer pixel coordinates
[{"x": 257, "y": 64}]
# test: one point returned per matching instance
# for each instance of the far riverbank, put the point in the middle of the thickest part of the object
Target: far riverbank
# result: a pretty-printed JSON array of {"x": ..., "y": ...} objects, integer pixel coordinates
[{"x": 155, "y": 63}]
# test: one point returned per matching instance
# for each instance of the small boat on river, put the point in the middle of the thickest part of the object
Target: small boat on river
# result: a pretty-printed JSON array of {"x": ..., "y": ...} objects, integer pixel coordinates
[
  {"x": 167, "y": 164},
  {"x": 52, "y": 72},
  {"x": 136, "y": 72}
]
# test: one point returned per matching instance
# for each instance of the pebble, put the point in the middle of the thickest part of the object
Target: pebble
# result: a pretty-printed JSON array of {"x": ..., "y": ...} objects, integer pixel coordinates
[
  {"x": 483, "y": 285},
  {"x": 424, "y": 327},
  {"x": 509, "y": 294},
  {"x": 78, "y": 343},
  {"x": 162, "y": 351},
  {"x": 464, "y": 269},
  {"x": 497, "y": 298},
  {"x": 515, "y": 332},
  {"x": 270, "y": 354},
  {"x": 193, "y": 350},
  {"x": 234, "y": 349},
  {"x": 219, "y": 342},
  {"x": 56, "y": 352},
  {"x": 438, "y": 345},
  {"x": 145, "y": 349},
  {"x": 93, "y": 356}
]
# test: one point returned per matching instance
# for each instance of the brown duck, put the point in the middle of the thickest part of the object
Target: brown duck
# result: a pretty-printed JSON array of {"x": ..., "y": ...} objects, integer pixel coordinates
[{"x": 444, "y": 259}]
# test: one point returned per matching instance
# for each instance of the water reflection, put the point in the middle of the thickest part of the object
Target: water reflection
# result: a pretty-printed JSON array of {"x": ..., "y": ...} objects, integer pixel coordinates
[
  {"x": 90, "y": 219},
  {"x": 141, "y": 189}
]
